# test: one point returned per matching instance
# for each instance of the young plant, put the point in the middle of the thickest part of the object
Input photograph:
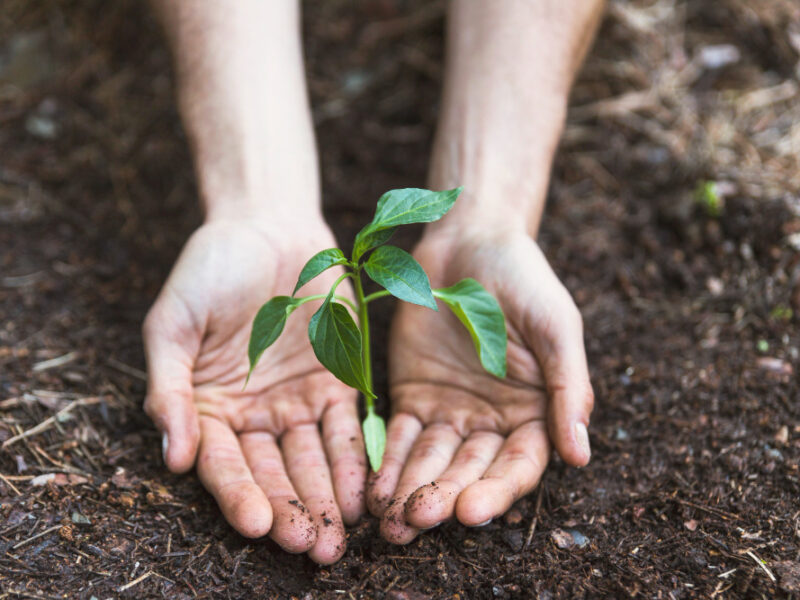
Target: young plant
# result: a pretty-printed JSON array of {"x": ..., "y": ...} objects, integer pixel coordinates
[{"x": 341, "y": 344}]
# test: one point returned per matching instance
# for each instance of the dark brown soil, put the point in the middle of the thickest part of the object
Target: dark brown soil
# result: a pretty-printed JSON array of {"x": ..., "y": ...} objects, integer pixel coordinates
[{"x": 691, "y": 319}]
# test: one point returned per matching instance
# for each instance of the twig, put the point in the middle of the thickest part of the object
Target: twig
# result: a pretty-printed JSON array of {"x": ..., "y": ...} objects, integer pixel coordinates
[
  {"x": 709, "y": 509},
  {"x": 139, "y": 579},
  {"x": 127, "y": 369},
  {"x": 44, "y": 425},
  {"x": 761, "y": 564},
  {"x": 9, "y": 484},
  {"x": 55, "y": 362},
  {"x": 37, "y": 536},
  {"x": 535, "y": 521}
]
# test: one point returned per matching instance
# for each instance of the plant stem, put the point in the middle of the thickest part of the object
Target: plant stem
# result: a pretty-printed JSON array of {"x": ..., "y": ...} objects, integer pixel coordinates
[
  {"x": 376, "y": 295},
  {"x": 363, "y": 322},
  {"x": 347, "y": 301}
]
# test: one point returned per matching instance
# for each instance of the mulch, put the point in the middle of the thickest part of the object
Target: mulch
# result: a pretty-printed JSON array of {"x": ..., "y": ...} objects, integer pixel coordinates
[{"x": 691, "y": 307}]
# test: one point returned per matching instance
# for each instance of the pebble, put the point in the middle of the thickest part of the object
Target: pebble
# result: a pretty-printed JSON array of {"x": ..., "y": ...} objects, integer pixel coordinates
[
  {"x": 514, "y": 539},
  {"x": 513, "y": 517},
  {"x": 782, "y": 436},
  {"x": 567, "y": 538}
]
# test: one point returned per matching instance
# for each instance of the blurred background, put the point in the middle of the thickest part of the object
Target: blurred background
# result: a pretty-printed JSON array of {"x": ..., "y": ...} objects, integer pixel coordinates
[{"x": 674, "y": 219}]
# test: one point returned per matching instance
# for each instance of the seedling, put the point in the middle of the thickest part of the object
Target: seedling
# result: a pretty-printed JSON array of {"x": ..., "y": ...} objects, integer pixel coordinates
[{"x": 341, "y": 344}]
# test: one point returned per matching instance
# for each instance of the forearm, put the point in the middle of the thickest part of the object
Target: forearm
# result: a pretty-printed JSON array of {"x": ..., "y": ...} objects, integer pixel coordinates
[
  {"x": 510, "y": 65},
  {"x": 243, "y": 100}
]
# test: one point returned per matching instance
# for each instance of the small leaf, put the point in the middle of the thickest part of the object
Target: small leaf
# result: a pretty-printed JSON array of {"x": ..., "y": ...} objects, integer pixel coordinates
[
  {"x": 482, "y": 316},
  {"x": 374, "y": 430},
  {"x": 336, "y": 341},
  {"x": 401, "y": 275},
  {"x": 268, "y": 325},
  {"x": 403, "y": 207},
  {"x": 317, "y": 264},
  {"x": 367, "y": 241},
  {"x": 412, "y": 205}
]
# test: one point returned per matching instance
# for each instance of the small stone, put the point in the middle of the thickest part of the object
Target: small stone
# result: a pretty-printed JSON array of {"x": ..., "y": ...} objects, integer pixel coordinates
[
  {"x": 691, "y": 525},
  {"x": 717, "y": 56},
  {"x": 498, "y": 591},
  {"x": 561, "y": 538},
  {"x": 775, "y": 365},
  {"x": 80, "y": 519},
  {"x": 782, "y": 436},
  {"x": 43, "y": 479},
  {"x": 578, "y": 538},
  {"x": 715, "y": 286},
  {"x": 514, "y": 539},
  {"x": 513, "y": 517}
]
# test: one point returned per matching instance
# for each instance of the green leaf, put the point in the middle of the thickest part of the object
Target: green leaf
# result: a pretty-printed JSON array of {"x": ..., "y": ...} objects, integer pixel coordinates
[
  {"x": 336, "y": 341},
  {"x": 401, "y": 275},
  {"x": 317, "y": 264},
  {"x": 403, "y": 207},
  {"x": 412, "y": 205},
  {"x": 481, "y": 315},
  {"x": 268, "y": 325},
  {"x": 374, "y": 430},
  {"x": 367, "y": 241}
]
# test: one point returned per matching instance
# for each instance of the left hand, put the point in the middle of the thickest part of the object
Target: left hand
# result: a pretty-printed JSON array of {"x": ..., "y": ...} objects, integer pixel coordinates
[{"x": 462, "y": 442}]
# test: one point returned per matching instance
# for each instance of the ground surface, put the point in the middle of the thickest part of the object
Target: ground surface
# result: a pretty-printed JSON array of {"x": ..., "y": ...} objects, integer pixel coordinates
[{"x": 694, "y": 485}]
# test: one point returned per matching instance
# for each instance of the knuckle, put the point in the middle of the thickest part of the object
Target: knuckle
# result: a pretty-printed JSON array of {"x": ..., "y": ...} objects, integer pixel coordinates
[
  {"x": 425, "y": 449},
  {"x": 214, "y": 457}
]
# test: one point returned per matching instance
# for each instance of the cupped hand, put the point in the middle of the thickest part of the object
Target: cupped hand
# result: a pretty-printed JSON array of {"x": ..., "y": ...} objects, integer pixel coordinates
[
  {"x": 462, "y": 442},
  {"x": 283, "y": 456}
]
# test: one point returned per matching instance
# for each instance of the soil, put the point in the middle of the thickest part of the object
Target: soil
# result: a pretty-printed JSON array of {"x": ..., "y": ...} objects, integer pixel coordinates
[{"x": 691, "y": 318}]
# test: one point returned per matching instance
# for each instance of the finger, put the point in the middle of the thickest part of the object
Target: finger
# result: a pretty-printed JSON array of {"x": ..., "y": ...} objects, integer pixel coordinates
[
  {"x": 403, "y": 429},
  {"x": 223, "y": 471},
  {"x": 345, "y": 449},
  {"x": 515, "y": 472},
  {"x": 308, "y": 469},
  {"x": 429, "y": 457},
  {"x": 292, "y": 527},
  {"x": 562, "y": 355},
  {"x": 435, "y": 502},
  {"x": 169, "y": 402}
]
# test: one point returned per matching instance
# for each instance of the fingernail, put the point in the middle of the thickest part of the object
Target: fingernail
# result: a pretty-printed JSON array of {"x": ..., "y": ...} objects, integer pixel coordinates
[
  {"x": 432, "y": 526},
  {"x": 582, "y": 437},
  {"x": 485, "y": 523},
  {"x": 164, "y": 446}
]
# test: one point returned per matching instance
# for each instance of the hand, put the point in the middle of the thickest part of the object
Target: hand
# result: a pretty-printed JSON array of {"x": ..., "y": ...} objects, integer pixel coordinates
[
  {"x": 462, "y": 442},
  {"x": 257, "y": 450}
]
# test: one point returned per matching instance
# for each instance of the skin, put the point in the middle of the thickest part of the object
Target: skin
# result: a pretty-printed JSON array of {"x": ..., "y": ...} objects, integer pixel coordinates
[
  {"x": 463, "y": 444},
  {"x": 285, "y": 457}
]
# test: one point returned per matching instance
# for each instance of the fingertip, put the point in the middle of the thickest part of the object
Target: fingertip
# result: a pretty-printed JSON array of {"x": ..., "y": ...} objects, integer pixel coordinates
[
  {"x": 293, "y": 530},
  {"x": 581, "y": 444},
  {"x": 179, "y": 446},
  {"x": 431, "y": 504},
  {"x": 396, "y": 530},
  {"x": 483, "y": 501},
  {"x": 251, "y": 517},
  {"x": 571, "y": 441},
  {"x": 327, "y": 555},
  {"x": 353, "y": 508},
  {"x": 331, "y": 544}
]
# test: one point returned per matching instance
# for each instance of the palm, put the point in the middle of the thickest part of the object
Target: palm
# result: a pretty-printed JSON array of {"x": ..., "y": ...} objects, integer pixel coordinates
[
  {"x": 289, "y": 387},
  {"x": 477, "y": 436},
  {"x": 260, "y": 452}
]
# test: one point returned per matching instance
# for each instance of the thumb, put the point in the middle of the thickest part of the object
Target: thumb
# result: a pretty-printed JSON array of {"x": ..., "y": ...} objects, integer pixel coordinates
[
  {"x": 558, "y": 344},
  {"x": 170, "y": 344}
]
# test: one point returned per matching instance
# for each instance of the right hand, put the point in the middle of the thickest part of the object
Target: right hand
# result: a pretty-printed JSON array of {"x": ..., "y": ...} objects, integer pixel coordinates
[{"x": 258, "y": 449}]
